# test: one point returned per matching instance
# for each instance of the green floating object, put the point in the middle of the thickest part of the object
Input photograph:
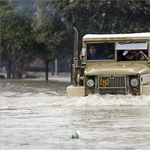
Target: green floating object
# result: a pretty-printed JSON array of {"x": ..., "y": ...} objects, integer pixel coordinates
[{"x": 75, "y": 135}]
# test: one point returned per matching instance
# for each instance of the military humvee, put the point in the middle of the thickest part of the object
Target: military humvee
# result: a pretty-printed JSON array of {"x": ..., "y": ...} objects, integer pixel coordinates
[{"x": 121, "y": 66}]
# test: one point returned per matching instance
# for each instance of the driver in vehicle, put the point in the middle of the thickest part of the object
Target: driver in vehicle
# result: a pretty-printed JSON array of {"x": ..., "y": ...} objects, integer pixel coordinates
[{"x": 92, "y": 55}]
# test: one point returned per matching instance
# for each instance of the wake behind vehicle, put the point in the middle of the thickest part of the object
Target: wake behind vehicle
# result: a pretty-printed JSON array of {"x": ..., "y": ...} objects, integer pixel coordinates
[{"x": 121, "y": 65}]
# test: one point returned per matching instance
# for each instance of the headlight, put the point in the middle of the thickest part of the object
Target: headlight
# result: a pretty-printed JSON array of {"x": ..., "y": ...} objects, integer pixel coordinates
[
  {"x": 90, "y": 83},
  {"x": 134, "y": 82}
]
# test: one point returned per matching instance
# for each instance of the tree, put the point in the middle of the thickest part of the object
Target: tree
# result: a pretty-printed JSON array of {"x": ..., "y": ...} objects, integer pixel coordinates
[
  {"x": 17, "y": 40},
  {"x": 50, "y": 31},
  {"x": 106, "y": 16}
]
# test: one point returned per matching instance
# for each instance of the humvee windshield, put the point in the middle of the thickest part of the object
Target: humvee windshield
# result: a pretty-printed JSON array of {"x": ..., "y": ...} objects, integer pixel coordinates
[
  {"x": 101, "y": 51},
  {"x": 132, "y": 51}
]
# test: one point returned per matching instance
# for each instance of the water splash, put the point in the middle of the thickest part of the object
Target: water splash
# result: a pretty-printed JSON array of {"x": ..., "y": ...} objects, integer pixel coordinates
[{"x": 29, "y": 100}]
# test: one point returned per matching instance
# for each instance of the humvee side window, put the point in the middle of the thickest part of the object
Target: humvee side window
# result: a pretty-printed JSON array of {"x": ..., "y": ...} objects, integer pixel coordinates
[
  {"x": 127, "y": 51},
  {"x": 101, "y": 51}
]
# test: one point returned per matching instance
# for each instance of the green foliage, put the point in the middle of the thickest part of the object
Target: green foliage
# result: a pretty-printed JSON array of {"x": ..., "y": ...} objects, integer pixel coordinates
[
  {"x": 16, "y": 33},
  {"x": 107, "y": 16},
  {"x": 4, "y": 4},
  {"x": 50, "y": 29},
  {"x": 17, "y": 41}
]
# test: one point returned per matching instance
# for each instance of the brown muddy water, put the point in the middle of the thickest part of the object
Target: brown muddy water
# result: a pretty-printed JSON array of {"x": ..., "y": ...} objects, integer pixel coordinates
[{"x": 38, "y": 115}]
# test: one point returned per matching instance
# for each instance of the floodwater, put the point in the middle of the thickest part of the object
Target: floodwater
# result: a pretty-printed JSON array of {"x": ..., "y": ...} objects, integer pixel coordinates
[{"x": 38, "y": 115}]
